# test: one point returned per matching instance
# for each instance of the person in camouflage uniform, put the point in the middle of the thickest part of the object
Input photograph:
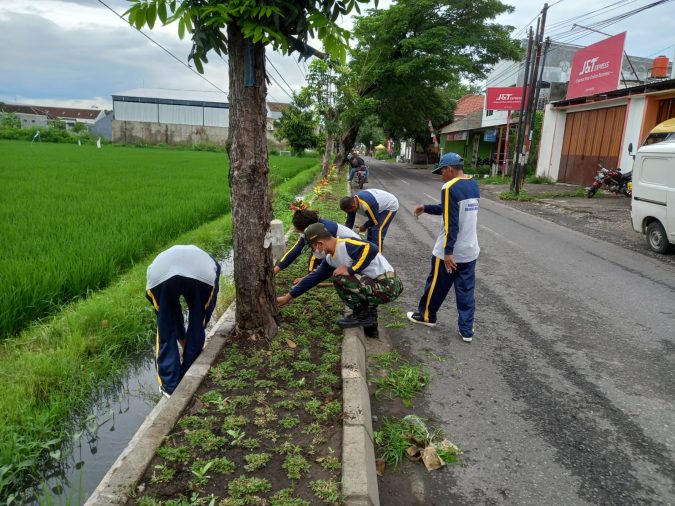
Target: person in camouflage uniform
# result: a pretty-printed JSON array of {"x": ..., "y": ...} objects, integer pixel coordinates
[{"x": 362, "y": 277}]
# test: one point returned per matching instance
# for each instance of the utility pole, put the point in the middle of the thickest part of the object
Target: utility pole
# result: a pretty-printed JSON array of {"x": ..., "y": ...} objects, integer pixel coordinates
[
  {"x": 519, "y": 136},
  {"x": 531, "y": 94}
]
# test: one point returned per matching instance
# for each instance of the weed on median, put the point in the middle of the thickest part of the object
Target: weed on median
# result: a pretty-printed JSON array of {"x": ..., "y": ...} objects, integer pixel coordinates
[{"x": 269, "y": 411}]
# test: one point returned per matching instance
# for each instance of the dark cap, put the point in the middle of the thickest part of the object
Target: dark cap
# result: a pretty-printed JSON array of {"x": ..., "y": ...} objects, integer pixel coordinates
[
  {"x": 315, "y": 232},
  {"x": 449, "y": 159}
]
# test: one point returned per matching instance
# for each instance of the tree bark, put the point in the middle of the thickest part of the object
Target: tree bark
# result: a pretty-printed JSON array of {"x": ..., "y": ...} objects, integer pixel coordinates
[
  {"x": 326, "y": 155},
  {"x": 346, "y": 143},
  {"x": 249, "y": 189}
]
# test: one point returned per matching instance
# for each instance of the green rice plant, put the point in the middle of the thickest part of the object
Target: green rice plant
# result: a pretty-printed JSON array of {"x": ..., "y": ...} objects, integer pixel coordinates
[
  {"x": 269, "y": 435},
  {"x": 288, "y": 404},
  {"x": 330, "y": 411},
  {"x": 197, "y": 422}
]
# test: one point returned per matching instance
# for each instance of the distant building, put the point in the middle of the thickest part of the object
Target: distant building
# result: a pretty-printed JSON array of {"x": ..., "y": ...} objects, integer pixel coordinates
[
  {"x": 103, "y": 126},
  {"x": 464, "y": 135},
  {"x": 160, "y": 116},
  {"x": 38, "y": 115}
]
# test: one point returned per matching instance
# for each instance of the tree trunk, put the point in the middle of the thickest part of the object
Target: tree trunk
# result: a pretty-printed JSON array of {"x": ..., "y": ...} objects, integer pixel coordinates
[
  {"x": 249, "y": 188},
  {"x": 346, "y": 143},
  {"x": 326, "y": 155}
]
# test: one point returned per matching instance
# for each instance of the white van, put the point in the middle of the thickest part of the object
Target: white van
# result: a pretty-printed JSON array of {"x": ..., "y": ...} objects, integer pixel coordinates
[{"x": 653, "y": 201}]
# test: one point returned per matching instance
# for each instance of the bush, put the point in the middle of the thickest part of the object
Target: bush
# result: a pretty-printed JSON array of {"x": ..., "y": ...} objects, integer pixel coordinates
[{"x": 381, "y": 155}]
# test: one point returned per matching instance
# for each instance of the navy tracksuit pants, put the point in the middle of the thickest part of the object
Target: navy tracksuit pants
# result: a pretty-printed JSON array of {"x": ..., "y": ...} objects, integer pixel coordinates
[
  {"x": 377, "y": 233},
  {"x": 165, "y": 298},
  {"x": 437, "y": 287}
]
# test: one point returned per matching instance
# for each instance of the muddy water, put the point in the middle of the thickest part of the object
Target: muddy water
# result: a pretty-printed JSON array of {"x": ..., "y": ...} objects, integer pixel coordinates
[{"x": 108, "y": 428}]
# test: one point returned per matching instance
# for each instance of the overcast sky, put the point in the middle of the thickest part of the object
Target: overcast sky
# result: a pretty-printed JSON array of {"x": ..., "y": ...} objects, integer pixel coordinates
[{"x": 78, "y": 53}]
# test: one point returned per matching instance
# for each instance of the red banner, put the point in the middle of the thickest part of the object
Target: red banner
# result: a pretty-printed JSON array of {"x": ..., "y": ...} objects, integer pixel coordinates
[
  {"x": 504, "y": 98},
  {"x": 597, "y": 68}
]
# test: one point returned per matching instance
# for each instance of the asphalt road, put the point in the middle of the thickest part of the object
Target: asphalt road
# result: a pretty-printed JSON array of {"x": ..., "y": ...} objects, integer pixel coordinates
[{"x": 567, "y": 393}]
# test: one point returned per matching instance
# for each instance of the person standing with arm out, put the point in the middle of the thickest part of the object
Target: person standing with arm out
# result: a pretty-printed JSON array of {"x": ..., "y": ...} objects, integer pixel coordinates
[{"x": 454, "y": 256}]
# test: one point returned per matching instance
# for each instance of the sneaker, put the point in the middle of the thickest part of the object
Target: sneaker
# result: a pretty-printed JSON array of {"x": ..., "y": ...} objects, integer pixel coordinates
[
  {"x": 467, "y": 339},
  {"x": 164, "y": 392},
  {"x": 416, "y": 317}
]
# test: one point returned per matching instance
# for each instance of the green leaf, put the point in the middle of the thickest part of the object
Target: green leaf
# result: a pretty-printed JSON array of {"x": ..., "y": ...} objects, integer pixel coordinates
[
  {"x": 140, "y": 19},
  {"x": 181, "y": 29},
  {"x": 151, "y": 15},
  {"x": 161, "y": 11}
]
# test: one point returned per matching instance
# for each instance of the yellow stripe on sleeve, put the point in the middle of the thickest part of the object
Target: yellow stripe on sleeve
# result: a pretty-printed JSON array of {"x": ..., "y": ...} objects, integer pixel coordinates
[{"x": 369, "y": 211}]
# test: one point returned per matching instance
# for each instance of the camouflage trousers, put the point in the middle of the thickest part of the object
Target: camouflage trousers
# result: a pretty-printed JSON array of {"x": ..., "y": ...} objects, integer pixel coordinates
[{"x": 358, "y": 291}]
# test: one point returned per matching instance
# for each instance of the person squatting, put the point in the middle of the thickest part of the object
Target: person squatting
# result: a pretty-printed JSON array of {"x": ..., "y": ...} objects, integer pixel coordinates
[{"x": 362, "y": 277}]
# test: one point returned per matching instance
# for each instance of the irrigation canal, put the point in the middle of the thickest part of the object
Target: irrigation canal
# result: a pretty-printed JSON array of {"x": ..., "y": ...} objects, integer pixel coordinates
[{"x": 107, "y": 429}]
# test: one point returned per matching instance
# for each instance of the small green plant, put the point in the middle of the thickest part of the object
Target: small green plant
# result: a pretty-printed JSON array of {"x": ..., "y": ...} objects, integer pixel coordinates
[
  {"x": 174, "y": 453},
  {"x": 222, "y": 465},
  {"x": 284, "y": 497},
  {"x": 396, "y": 325},
  {"x": 199, "y": 470},
  {"x": 265, "y": 384},
  {"x": 251, "y": 443},
  {"x": 326, "y": 490},
  {"x": 288, "y": 448},
  {"x": 282, "y": 373},
  {"x": 288, "y": 404},
  {"x": 197, "y": 422},
  {"x": 162, "y": 474},
  {"x": 205, "y": 439},
  {"x": 148, "y": 501},
  {"x": 237, "y": 436},
  {"x": 302, "y": 394},
  {"x": 245, "y": 486},
  {"x": 234, "y": 422},
  {"x": 387, "y": 360},
  {"x": 539, "y": 180},
  {"x": 290, "y": 421},
  {"x": 255, "y": 461},
  {"x": 330, "y": 462},
  {"x": 312, "y": 428},
  {"x": 331, "y": 410},
  {"x": 295, "y": 466},
  {"x": 494, "y": 180},
  {"x": 405, "y": 382},
  {"x": 523, "y": 196},
  {"x": 269, "y": 435},
  {"x": 313, "y": 407}
]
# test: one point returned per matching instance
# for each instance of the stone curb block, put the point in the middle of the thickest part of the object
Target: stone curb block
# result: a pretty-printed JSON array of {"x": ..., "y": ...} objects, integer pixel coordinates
[
  {"x": 129, "y": 467},
  {"x": 359, "y": 478}
]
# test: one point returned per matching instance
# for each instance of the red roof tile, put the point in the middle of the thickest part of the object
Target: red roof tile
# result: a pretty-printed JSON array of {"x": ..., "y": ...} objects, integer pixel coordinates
[{"x": 468, "y": 104}]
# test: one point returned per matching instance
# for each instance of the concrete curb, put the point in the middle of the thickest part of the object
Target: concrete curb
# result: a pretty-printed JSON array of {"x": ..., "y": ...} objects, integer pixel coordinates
[
  {"x": 129, "y": 467},
  {"x": 359, "y": 477}
]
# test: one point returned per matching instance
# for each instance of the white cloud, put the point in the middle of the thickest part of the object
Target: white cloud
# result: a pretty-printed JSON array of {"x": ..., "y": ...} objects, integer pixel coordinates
[{"x": 78, "y": 52}]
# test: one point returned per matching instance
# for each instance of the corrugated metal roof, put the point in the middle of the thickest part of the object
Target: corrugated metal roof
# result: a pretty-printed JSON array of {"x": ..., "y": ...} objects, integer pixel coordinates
[{"x": 182, "y": 95}]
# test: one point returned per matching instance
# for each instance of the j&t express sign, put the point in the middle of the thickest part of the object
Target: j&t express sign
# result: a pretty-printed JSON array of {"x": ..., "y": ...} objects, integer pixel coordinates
[
  {"x": 504, "y": 98},
  {"x": 597, "y": 68}
]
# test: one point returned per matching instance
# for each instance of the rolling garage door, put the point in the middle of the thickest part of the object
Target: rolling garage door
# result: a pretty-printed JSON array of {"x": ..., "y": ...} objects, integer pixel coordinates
[{"x": 590, "y": 136}]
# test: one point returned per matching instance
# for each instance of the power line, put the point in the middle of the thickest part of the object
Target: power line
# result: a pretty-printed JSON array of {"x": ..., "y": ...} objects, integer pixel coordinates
[
  {"x": 279, "y": 73},
  {"x": 162, "y": 48}
]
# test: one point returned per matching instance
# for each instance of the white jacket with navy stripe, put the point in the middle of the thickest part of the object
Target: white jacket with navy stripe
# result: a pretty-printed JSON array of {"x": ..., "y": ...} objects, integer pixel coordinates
[{"x": 460, "y": 199}]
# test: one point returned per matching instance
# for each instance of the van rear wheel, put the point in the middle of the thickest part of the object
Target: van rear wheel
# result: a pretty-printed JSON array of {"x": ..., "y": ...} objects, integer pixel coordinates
[{"x": 656, "y": 237}]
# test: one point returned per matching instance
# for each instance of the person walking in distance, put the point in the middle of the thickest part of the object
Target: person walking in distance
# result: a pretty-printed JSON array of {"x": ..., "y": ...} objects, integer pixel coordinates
[
  {"x": 378, "y": 206},
  {"x": 187, "y": 271},
  {"x": 453, "y": 261}
]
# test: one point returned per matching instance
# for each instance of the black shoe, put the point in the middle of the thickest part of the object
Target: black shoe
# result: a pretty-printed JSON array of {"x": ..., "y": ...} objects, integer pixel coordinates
[
  {"x": 360, "y": 318},
  {"x": 371, "y": 331}
]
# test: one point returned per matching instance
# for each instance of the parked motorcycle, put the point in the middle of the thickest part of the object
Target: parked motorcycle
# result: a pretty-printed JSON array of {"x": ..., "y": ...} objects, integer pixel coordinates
[
  {"x": 612, "y": 180},
  {"x": 360, "y": 177}
]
